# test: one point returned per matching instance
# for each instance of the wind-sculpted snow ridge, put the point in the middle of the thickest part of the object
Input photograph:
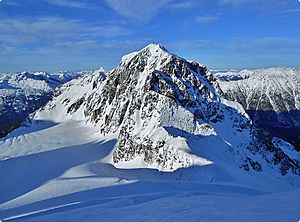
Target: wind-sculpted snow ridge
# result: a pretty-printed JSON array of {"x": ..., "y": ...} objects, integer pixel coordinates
[
  {"x": 23, "y": 93},
  {"x": 167, "y": 113},
  {"x": 270, "y": 96}
]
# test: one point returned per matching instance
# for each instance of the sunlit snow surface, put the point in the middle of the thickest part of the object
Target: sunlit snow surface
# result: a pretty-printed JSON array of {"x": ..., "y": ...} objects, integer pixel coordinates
[
  {"x": 61, "y": 168},
  {"x": 63, "y": 173}
]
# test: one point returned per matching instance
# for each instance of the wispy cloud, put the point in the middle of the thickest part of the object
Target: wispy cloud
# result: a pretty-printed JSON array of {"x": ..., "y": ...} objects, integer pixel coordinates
[
  {"x": 68, "y": 55},
  {"x": 234, "y": 2},
  {"x": 69, "y": 3},
  {"x": 46, "y": 30},
  {"x": 61, "y": 3},
  {"x": 291, "y": 11},
  {"x": 207, "y": 19},
  {"x": 262, "y": 5},
  {"x": 10, "y": 2},
  {"x": 195, "y": 44},
  {"x": 53, "y": 42},
  {"x": 269, "y": 45},
  {"x": 274, "y": 46},
  {"x": 142, "y": 10},
  {"x": 183, "y": 5}
]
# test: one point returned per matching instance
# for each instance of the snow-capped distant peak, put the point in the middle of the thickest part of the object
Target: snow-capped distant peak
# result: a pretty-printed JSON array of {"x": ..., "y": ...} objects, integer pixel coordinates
[
  {"x": 22, "y": 93},
  {"x": 271, "y": 96}
]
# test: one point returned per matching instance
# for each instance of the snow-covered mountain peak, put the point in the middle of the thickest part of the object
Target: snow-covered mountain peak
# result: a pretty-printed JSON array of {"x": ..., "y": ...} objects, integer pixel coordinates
[
  {"x": 267, "y": 89},
  {"x": 166, "y": 113},
  {"x": 150, "y": 53},
  {"x": 101, "y": 69},
  {"x": 24, "y": 92},
  {"x": 154, "y": 59},
  {"x": 157, "y": 50},
  {"x": 271, "y": 97},
  {"x": 265, "y": 74},
  {"x": 154, "y": 47}
]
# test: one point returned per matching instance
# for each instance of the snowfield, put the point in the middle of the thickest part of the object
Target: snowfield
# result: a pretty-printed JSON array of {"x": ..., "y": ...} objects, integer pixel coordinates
[
  {"x": 72, "y": 180},
  {"x": 153, "y": 140}
]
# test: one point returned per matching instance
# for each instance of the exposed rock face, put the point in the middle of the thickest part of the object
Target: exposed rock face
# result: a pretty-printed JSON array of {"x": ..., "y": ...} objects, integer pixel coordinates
[
  {"x": 270, "y": 96},
  {"x": 152, "y": 90},
  {"x": 163, "y": 109}
]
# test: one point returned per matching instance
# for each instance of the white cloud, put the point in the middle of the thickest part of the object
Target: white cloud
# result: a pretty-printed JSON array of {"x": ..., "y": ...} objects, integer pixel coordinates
[
  {"x": 195, "y": 44},
  {"x": 61, "y": 3},
  {"x": 10, "y": 3},
  {"x": 184, "y": 5},
  {"x": 207, "y": 19},
  {"x": 142, "y": 10},
  {"x": 68, "y": 55},
  {"x": 291, "y": 10},
  {"x": 48, "y": 30},
  {"x": 257, "y": 4},
  {"x": 234, "y": 2},
  {"x": 69, "y": 3},
  {"x": 267, "y": 45}
]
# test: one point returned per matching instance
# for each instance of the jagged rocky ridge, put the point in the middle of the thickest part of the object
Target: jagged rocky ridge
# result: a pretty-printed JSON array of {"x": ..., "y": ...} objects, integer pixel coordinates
[
  {"x": 23, "y": 93},
  {"x": 270, "y": 96},
  {"x": 163, "y": 111}
]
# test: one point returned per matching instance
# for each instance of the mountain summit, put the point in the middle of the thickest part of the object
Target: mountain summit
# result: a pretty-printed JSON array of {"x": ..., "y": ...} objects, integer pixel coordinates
[{"x": 167, "y": 113}]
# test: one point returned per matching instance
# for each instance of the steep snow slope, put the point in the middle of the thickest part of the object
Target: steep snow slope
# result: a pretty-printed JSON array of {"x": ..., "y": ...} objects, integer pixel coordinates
[
  {"x": 23, "y": 93},
  {"x": 155, "y": 132},
  {"x": 270, "y": 96},
  {"x": 60, "y": 173}
]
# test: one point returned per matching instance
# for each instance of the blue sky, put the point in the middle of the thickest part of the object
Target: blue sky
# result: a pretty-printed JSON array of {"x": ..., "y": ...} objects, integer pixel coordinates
[{"x": 54, "y": 35}]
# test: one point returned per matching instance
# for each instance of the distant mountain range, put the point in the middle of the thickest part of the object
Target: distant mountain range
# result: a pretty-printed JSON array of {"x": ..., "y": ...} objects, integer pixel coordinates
[
  {"x": 270, "y": 96},
  {"x": 23, "y": 93}
]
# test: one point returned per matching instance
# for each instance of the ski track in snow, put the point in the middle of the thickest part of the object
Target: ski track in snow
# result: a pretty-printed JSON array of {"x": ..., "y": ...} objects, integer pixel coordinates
[{"x": 74, "y": 182}]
